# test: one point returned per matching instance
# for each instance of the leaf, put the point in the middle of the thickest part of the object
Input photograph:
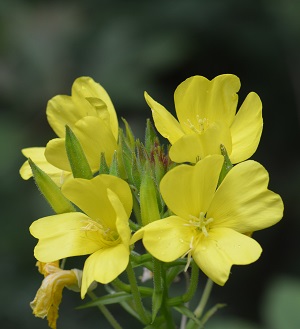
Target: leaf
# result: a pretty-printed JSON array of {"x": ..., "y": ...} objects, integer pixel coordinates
[
  {"x": 115, "y": 298},
  {"x": 188, "y": 313}
]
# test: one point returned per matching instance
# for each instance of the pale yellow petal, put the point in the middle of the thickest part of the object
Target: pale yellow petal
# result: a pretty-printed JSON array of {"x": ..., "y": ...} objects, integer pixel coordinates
[
  {"x": 62, "y": 111},
  {"x": 198, "y": 98},
  {"x": 91, "y": 197},
  {"x": 246, "y": 129},
  {"x": 104, "y": 266},
  {"x": 64, "y": 235},
  {"x": 164, "y": 121},
  {"x": 95, "y": 138},
  {"x": 85, "y": 88},
  {"x": 193, "y": 147},
  {"x": 243, "y": 202},
  {"x": 223, "y": 248},
  {"x": 120, "y": 188},
  {"x": 188, "y": 190},
  {"x": 167, "y": 239},
  {"x": 36, "y": 154},
  {"x": 56, "y": 154},
  {"x": 122, "y": 223}
]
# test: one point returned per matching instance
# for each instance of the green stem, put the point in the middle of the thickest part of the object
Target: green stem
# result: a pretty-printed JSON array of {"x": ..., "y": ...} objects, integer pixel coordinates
[
  {"x": 109, "y": 317},
  {"x": 117, "y": 283},
  {"x": 206, "y": 293},
  {"x": 191, "y": 288},
  {"x": 136, "y": 295},
  {"x": 166, "y": 309}
]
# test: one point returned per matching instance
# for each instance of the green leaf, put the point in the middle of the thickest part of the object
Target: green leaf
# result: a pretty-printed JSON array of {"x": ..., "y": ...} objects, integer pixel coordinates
[
  {"x": 188, "y": 313},
  {"x": 78, "y": 162},
  {"x": 115, "y": 298}
]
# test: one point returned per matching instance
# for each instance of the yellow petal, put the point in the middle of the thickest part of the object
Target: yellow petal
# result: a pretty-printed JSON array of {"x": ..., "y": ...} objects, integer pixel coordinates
[
  {"x": 94, "y": 137},
  {"x": 91, "y": 197},
  {"x": 64, "y": 235},
  {"x": 164, "y": 121},
  {"x": 36, "y": 154},
  {"x": 56, "y": 154},
  {"x": 122, "y": 223},
  {"x": 223, "y": 248},
  {"x": 246, "y": 129},
  {"x": 87, "y": 88},
  {"x": 243, "y": 202},
  {"x": 198, "y": 98},
  {"x": 104, "y": 266},
  {"x": 188, "y": 190},
  {"x": 193, "y": 147},
  {"x": 62, "y": 111},
  {"x": 167, "y": 239}
]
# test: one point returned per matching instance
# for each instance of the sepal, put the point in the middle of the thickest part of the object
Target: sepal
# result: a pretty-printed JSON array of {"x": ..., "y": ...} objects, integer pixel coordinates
[{"x": 52, "y": 193}]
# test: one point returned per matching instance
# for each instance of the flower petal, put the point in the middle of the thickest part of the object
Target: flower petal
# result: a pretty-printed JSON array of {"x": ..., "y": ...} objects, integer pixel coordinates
[
  {"x": 62, "y": 111},
  {"x": 64, "y": 235},
  {"x": 122, "y": 223},
  {"x": 223, "y": 248},
  {"x": 36, "y": 154},
  {"x": 246, "y": 129},
  {"x": 94, "y": 137},
  {"x": 167, "y": 239},
  {"x": 104, "y": 266},
  {"x": 243, "y": 202},
  {"x": 198, "y": 98},
  {"x": 91, "y": 197},
  {"x": 164, "y": 121},
  {"x": 193, "y": 147},
  {"x": 188, "y": 190},
  {"x": 55, "y": 154},
  {"x": 85, "y": 88}
]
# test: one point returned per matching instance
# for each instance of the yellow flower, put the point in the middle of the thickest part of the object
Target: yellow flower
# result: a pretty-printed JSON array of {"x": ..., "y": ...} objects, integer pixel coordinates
[
  {"x": 102, "y": 230},
  {"x": 48, "y": 297},
  {"x": 90, "y": 114},
  {"x": 208, "y": 223},
  {"x": 206, "y": 112}
]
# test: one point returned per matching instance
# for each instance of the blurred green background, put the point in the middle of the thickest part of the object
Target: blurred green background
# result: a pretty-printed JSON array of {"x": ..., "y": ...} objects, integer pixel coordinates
[{"x": 129, "y": 47}]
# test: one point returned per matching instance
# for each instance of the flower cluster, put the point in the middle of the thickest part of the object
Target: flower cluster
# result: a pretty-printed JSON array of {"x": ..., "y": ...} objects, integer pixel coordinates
[{"x": 192, "y": 203}]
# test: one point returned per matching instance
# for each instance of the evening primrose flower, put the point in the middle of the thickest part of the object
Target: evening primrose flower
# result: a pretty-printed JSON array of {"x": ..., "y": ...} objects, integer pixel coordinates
[
  {"x": 206, "y": 112},
  {"x": 90, "y": 114},
  {"x": 49, "y": 295},
  {"x": 102, "y": 230},
  {"x": 209, "y": 223}
]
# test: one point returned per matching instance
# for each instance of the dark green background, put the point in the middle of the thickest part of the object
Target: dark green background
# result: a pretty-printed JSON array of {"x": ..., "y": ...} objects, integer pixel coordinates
[{"x": 129, "y": 47}]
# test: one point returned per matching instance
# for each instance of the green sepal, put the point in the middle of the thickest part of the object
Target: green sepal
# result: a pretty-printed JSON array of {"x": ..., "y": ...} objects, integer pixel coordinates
[
  {"x": 129, "y": 135},
  {"x": 227, "y": 165},
  {"x": 104, "y": 169},
  {"x": 114, "y": 167},
  {"x": 52, "y": 193},
  {"x": 78, "y": 162},
  {"x": 148, "y": 197},
  {"x": 117, "y": 297},
  {"x": 150, "y": 136}
]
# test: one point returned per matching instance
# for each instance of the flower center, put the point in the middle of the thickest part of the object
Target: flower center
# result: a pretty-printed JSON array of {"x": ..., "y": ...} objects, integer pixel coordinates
[
  {"x": 107, "y": 235},
  {"x": 200, "y": 222},
  {"x": 201, "y": 124}
]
